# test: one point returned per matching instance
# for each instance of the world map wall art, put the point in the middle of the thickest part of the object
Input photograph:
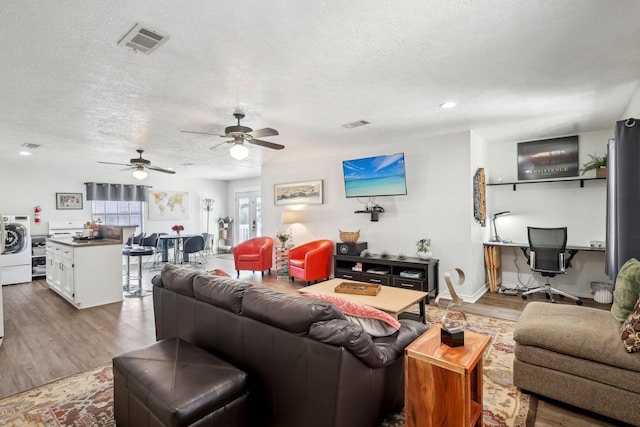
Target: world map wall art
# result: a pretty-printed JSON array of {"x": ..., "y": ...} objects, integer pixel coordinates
[{"x": 165, "y": 205}]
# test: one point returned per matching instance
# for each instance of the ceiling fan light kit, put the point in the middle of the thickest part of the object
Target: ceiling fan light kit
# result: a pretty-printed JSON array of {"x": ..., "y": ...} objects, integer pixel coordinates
[
  {"x": 139, "y": 173},
  {"x": 239, "y": 151},
  {"x": 240, "y": 134}
]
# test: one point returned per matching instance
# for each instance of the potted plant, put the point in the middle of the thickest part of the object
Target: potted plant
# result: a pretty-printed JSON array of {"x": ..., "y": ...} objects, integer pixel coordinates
[
  {"x": 597, "y": 163},
  {"x": 424, "y": 248},
  {"x": 283, "y": 236}
]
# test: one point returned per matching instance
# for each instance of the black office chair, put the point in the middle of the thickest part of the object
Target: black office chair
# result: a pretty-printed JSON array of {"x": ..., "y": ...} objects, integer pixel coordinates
[{"x": 547, "y": 256}]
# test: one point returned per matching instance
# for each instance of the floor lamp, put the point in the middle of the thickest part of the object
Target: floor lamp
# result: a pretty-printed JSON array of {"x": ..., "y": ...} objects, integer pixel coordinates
[
  {"x": 207, "y": 204},
  {"x": 290, "y": 218}
]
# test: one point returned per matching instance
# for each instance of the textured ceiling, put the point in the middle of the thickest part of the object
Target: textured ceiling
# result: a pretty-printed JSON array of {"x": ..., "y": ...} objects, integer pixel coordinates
[{"x": 518, "y": 70}]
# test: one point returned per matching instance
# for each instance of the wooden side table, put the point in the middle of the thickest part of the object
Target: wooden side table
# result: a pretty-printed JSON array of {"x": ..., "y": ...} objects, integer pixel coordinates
[
  {"x": 282, "y": 262},
  {"x": 443, "y": 385}
]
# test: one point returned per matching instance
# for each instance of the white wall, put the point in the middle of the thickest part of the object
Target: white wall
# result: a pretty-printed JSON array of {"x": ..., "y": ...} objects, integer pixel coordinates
[
  {"x": 633, "y": 109},
  {"x": 582, "y": 210},
  {"x": 22, "y": 187},
  {"x": 439, "y": 203}
]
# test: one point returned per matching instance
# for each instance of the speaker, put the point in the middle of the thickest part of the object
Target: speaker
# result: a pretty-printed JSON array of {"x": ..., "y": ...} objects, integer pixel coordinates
[{"x": 350, "y": 248}]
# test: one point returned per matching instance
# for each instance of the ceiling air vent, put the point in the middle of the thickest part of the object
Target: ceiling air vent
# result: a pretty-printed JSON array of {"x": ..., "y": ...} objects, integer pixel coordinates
[
  {"x": 143, "y": 39},
  {"x": 356, "y": 124}
]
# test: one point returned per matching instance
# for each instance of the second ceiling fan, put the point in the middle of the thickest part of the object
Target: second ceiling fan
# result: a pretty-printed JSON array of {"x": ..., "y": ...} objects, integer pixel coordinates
[{"x": 240, "y": 134}]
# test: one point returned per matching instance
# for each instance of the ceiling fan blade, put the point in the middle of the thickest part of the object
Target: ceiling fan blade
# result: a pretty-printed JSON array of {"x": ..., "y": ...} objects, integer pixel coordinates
[
  {"x": 266, "y": 144},
  {"x": 156, "y": 168},
  {"x": 111, "y": 163},
  {"x": 201, "y": 133},
  {"x": 259, "y": 133},
  {"x": 218, "y": 145}
]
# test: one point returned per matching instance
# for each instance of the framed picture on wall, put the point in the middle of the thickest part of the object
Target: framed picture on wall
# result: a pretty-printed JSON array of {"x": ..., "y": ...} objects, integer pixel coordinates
[
  {"x": 68, "y": 201},
  {"x": 308, "y": 192},
  {"x": 549, "y": 158}
]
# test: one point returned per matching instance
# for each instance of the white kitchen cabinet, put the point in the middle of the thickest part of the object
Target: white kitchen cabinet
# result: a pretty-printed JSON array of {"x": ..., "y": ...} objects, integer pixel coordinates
[{"x": 85, "y": 274}]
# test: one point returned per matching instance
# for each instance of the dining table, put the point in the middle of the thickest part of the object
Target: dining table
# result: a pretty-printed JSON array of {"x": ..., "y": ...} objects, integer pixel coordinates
[{"x": 177, "y": 241}]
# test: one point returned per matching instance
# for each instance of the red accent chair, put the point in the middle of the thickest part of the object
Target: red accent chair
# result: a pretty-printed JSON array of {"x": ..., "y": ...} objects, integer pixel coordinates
[
  {"x": 311, "y": 261},
  {"x": 254, "y": 254}
]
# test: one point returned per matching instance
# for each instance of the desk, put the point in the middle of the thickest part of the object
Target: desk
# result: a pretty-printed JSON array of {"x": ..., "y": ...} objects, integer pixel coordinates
[
  {"x": 493, "y": 254},
  {"x": 177, "y": 238}
]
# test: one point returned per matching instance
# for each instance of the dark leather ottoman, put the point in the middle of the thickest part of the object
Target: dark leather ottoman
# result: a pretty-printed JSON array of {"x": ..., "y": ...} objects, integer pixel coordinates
[{"x": 175, "y": 383}]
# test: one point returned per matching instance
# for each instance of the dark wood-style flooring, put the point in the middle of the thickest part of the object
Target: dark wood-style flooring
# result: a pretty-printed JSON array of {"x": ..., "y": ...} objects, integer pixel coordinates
[{"x": 48, "y": 339}]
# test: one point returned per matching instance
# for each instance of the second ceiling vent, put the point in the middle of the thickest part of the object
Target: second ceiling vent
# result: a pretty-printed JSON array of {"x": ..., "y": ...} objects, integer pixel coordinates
[{"x": 143, "y": 39}]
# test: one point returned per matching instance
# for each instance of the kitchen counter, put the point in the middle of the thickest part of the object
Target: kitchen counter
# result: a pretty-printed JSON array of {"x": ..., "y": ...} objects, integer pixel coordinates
[
  {"x": 86, "y": 273},
  {"x": 85, "y": 243}
]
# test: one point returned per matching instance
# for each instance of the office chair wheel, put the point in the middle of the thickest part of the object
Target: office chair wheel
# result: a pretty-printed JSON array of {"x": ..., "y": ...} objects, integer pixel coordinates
[
  {"x": 524, "y": 297},
  {"x": 547, "y": 296},
  {"x": 579, "y": 302}
]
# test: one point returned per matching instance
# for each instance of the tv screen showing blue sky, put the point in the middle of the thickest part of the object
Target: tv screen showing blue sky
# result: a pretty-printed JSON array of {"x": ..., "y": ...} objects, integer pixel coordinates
[{"x": 375, "y": 176}]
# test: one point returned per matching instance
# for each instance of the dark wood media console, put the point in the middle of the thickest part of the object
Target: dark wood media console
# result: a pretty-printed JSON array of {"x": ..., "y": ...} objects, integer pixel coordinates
[{"x": 408, "y": 273}]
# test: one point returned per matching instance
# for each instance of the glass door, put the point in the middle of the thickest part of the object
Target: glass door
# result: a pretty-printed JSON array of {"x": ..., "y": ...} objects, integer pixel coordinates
[{"x": 249, "y": 214}]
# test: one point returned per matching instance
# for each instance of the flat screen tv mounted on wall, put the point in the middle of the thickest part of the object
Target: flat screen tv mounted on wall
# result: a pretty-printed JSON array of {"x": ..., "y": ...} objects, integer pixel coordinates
[{"x": 375, "y": 176}]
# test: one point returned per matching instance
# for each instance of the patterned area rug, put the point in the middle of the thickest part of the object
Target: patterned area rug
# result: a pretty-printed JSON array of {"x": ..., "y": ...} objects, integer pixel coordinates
[
  {"x": 86, "y": 399},
  {"x": 82, "y": 400},
  {"x": 504, "y": 405}
]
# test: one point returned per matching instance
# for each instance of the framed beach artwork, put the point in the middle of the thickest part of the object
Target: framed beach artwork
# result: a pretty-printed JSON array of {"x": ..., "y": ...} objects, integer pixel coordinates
[
  {"x": 295, "y": 193},
  {"x": 68, "y": 201}
]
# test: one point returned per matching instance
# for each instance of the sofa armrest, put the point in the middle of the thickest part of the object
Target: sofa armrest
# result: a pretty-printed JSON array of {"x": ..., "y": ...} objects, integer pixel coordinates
[{"x": 375, "y": 353}]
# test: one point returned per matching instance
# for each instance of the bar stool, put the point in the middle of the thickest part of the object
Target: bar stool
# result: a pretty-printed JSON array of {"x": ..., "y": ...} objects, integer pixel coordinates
[{"x": 139, "y": 252}]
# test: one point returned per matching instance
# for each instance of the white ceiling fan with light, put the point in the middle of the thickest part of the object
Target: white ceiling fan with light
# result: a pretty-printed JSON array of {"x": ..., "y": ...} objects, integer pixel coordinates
[
  {"x": 138, "y": 165},
  {"x": 239, "y": 134}
]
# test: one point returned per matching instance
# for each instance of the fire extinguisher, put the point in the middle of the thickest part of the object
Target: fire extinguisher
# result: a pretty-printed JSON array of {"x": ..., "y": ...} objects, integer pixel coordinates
[{"x": 37, "y": 211}]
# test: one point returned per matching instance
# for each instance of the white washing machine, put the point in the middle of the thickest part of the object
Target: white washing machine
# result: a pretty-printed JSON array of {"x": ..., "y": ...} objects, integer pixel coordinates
[{"x": 15, "y": 260}]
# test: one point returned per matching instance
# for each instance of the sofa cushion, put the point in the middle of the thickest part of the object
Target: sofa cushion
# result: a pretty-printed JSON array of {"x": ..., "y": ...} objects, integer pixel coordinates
[
  {"x": 223, "y": 292},
  {"x": 375, "y": 322},
  {"x": 291, "y": 313},
  {"x": 296, "y": 262},
  {"x": 581, "y": 332},
  {"x": 631, "y": 330},
  {"x": 627, "y": 290},
  {"x": 375, "y": 352},
  {"x": 178, "y": 279}
]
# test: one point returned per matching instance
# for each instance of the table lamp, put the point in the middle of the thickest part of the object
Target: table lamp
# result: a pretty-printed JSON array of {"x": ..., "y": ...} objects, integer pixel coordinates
[
  {"x": 497, "y": 238},
  {"x": 290, "y": 218}
]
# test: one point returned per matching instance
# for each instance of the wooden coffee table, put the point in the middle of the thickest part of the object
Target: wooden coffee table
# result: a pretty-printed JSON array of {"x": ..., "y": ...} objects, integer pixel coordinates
[{"x": 390, "y": 299}]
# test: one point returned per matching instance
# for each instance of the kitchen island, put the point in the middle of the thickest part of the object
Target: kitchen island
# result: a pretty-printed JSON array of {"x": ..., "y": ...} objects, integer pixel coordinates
[{"x": 86, "y": 273}]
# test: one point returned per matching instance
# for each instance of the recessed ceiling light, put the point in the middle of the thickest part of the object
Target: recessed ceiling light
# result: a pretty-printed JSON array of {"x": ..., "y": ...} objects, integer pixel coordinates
[
  {"x": 448, "y": 105},
  {"x": 356, "y": 124}
]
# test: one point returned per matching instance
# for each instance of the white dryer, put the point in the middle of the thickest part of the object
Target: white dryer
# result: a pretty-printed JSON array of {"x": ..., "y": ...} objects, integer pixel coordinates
[{"x": 15, "y": 260}]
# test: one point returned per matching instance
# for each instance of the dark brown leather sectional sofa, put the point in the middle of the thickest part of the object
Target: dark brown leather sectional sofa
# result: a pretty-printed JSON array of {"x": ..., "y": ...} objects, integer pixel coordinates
[{"x": 306, "y": 364}]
